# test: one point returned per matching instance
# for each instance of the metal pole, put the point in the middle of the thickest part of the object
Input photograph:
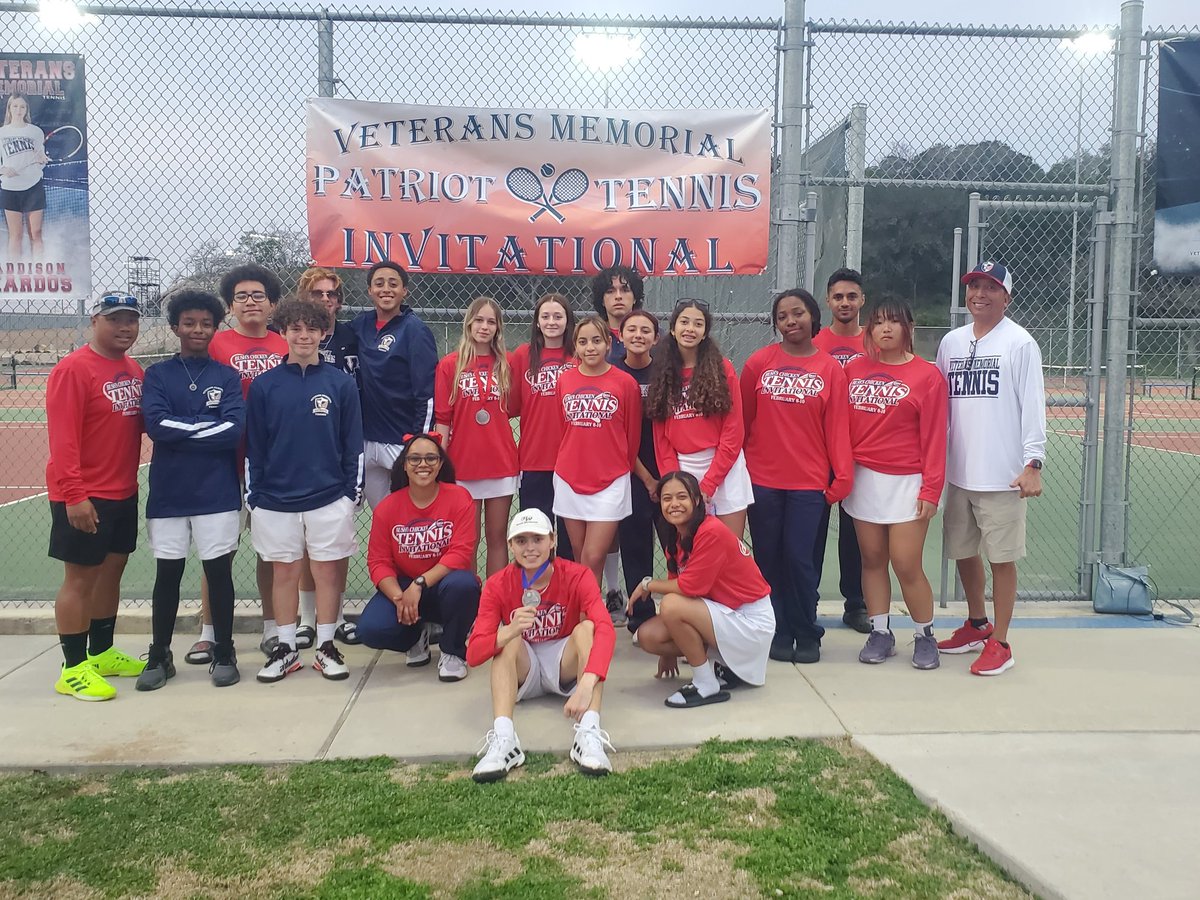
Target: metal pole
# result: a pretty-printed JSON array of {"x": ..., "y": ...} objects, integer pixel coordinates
[
  {"x": 1075, "y": 224},
  {"x": 856, "y": 165},
  {"x": 810, "y": 241},
  {"x": 1091, "y": 422},
  {"x": 955, "y": 311},
  {"x": 791, "y": 146},
  {"x": 326, "y": 79},
  {"x": 974, "y": 228},
  {"x": 1124, "y": 173}
]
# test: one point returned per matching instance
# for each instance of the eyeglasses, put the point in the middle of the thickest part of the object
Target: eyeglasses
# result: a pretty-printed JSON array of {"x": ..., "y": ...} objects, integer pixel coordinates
[
  {"x": 119, "y": 301},
  {"x": 256, "y": 296},
  {"x": 332, "y": 295},
  {"x": 431, "y": 459},
  {"x": 971, "y": 358}
]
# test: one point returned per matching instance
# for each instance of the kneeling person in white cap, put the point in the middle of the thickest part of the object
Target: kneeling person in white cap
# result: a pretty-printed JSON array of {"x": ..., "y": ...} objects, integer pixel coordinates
[{"x": 544, "y": 626}]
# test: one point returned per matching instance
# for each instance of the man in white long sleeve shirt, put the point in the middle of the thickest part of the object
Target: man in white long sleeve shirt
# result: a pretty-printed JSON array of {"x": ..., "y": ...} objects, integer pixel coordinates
[{"x": 996, "y": 446}]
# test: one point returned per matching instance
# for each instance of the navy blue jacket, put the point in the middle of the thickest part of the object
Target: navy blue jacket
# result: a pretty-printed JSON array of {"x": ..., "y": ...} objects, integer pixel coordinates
[
  {"x": 395, "y": 367},
  {"x": 194, "y": 469},
  {"x": 304, "y": 443},
  {"x": 340, "y": 349}
]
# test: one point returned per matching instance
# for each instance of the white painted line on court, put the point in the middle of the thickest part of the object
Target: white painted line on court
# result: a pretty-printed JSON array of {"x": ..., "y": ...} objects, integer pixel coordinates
[{"x": 24, "y": 499}]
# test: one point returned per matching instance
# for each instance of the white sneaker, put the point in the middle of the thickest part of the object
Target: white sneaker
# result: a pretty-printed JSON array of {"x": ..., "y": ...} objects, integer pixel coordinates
[
  {"x": 418, "y": 653},
  {"x": 498, "y": 756},
  {"x": 281, "y": 663},
  {"x": 451, "y": 667},
  {"x": 329, "y": 662},
  {"x": 588, "y": 750}
]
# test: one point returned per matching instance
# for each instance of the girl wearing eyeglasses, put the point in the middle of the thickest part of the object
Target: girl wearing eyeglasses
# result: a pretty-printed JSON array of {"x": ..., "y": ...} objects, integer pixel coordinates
[
  {"x": 535, "y": 370},
  {"x": 421, "y": 557},
  {"x": 471, "y": 405},
  {"x": 695, "y": 402}
]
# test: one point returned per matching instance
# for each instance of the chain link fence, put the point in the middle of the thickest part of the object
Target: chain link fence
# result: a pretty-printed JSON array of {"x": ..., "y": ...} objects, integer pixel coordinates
[{"x": 196, "y": 125}]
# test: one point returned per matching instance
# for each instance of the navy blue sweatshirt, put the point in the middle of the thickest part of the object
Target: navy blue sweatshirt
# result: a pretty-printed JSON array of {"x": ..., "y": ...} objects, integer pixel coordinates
[
  {"x": 395, "y": 367},
  {"x": 194, "y": 469},
  {"x": 304, "y": 443},
  {"x": 340, "y": 349}
]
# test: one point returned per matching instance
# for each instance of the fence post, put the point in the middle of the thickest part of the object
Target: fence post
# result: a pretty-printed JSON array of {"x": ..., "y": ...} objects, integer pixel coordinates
[
  {"x": 1124, "y": 176},
  {"x": 791, "y": 147},
  {"x": 326, "y": 79},
  {"x": 955, "y": 312},
  {"x": 1091, "y": 422},
  {"x": 974, "y": 229},
  {"x": 856, "y": 158},
  {"x": 811, "y": 208}
]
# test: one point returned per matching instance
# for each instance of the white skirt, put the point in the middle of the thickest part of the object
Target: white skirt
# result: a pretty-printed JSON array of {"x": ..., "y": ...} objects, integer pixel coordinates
[
  {"x": 489, "y": 488},
  {"x": 610, "y": 504},
  {"x": 734, "y": 493},
  {"x": 743, "y": 637},
  {"x": 882, "y": 499}
]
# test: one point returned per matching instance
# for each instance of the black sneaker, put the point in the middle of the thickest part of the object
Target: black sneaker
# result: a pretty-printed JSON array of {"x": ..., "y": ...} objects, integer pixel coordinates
[
  {"x": 160, "y": 665},
  {"x": 782, "y": 648},
  {"x": 224, "y": 671},
  {"x": 807, "y": 651},
  {"x": 858, "y": 620}
]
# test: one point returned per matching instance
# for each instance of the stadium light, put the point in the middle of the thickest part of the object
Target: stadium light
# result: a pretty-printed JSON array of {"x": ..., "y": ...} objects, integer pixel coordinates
[
  {"x": 63, "y": 15},
  {"x": 606, "y": 51}
]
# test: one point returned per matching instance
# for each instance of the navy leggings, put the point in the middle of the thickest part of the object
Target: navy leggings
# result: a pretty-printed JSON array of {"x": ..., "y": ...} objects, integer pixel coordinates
[{"x": 452, "y": 603}]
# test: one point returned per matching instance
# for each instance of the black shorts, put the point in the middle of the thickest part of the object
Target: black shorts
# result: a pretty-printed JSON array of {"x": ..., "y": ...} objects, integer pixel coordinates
[
  {"x": 116, "y": 532},
  {"x": 26, "y": 201}
]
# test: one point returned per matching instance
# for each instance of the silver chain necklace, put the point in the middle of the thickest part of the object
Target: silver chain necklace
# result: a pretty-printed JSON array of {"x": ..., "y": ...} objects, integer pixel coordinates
[{"x": 199, "y": 375}]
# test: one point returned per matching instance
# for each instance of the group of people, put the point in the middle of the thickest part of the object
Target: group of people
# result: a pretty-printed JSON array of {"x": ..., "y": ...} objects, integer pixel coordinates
[{"x": 625, "y": 436}]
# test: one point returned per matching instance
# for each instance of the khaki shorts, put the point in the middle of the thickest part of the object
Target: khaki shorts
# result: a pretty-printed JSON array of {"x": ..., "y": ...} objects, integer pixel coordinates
[{"x": 984, "y": 523}]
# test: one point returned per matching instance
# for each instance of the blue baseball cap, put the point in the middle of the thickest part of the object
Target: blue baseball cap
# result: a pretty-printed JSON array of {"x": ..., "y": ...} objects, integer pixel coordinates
[
  {"x": 114, "y": 302},
  {"x": 997, "y": 272}
]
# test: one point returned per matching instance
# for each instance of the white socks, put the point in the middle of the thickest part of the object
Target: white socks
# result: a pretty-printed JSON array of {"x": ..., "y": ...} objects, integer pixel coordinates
[
  {"x": 325, "y": 633},
  {"x": 270, "y": 630},
  {"x": 503, "y": 726},
  {"x": 287, "y": 635},
  {"x": 591, "y": 719},
  {"x": 881, "y": 623},
  {"x": 612, "y": 572},
  {"x": 308, "y": 608},
  {"x": 923, "y": 628},
  {"x": 207, "y": 634},
  {"x": 705, "y": 679}
]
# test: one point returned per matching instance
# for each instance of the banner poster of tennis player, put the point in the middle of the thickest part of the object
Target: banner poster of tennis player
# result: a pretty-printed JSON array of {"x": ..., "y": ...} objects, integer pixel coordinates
[
  {"x": 1177, "y": 198},
  {"x": 564, "y": 191},
  {"x": 46, "y": 247}
]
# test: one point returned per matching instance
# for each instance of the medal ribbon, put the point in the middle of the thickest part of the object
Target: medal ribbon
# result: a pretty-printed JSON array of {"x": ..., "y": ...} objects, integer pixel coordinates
[{"x": 526, "y": 582}]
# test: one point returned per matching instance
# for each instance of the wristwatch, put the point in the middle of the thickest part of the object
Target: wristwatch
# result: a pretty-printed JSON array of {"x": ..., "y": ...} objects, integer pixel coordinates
[
  {"x": 1034, "y": 464},
  {"x": 645, "y": 585},
  {"x": 419, "y": 581}
]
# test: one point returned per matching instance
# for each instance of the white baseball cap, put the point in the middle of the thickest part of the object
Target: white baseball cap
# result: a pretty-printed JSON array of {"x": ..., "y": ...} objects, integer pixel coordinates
[{"x": 529, "y": 521}]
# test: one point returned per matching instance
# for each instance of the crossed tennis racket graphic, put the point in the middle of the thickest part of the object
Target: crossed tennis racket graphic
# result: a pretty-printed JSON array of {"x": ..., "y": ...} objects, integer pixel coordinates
[{"x": 526, "y": 185}]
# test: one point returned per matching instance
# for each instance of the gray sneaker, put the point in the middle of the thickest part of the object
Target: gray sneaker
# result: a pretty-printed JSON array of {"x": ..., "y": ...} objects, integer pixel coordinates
[
  {"x": 160, "y": 665},
  {"x": 224, "y": 671},
  {"x": 880, "y": 645},
  {"x": 925, "y": 652}
]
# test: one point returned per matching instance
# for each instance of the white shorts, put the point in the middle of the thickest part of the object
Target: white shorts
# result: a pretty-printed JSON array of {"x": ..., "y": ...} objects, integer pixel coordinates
[
  {"x": 378, "y": 459},
  {"x": 610, "y": 504},
  {"x": 545, "y": 667},
  {"x": 744, "y": 637},
  {"x": 734, "y": 493},
  {"x": 329, "y": 533},
  {"x": 882, "y": 499},
  {"x": 490, "y": 488},
  {"x": 213, "y": 535}
]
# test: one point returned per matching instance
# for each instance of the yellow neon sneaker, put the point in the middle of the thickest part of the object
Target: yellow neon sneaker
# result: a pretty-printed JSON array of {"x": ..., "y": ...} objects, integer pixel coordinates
[
  {"x": 113, "y": 662},
  {"x": 83, "y": 682}
]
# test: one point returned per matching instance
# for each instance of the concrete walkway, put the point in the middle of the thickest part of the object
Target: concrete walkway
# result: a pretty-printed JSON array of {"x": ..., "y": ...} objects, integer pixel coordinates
[{"x": 1074, "y": 770}]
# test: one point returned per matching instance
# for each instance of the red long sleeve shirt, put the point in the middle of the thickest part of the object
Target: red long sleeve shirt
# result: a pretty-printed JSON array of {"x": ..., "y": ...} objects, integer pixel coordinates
[
  {"x": 843, "y": 349},
  {"x": 602, "y": 427},
  {"x": 251, "y": 356},
  {"x": 408, "y": 541},
  {"x": 571, "y": 596},
  {"x": 687, "y": 431},
  {"x": 721, "y": 568},
  {"x": 478, "y": 450},
  {"x": 536, "y": 400},
  {"x": 898, "y": 420},
  {"x": 94, "y": 421},
  {"x": 797, "y": 422}
]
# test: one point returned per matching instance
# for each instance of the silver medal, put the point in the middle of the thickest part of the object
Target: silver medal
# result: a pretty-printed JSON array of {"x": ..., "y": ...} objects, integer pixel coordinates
[
  {"x": 483, "y": 417},
  {"x": 191, "y": 387},
  {"x": 531, "y": 598}
]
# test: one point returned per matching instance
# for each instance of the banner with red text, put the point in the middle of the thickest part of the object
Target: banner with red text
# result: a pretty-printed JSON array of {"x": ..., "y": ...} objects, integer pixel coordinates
[
  {"x": 563, "y": 191},
  {"x": 46, "y": 243}
]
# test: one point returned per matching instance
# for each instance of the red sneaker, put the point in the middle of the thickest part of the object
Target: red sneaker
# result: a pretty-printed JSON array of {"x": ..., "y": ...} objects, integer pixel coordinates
[
  {"x": 995, "y": 659},
  {"x": 966, "y": 638}
]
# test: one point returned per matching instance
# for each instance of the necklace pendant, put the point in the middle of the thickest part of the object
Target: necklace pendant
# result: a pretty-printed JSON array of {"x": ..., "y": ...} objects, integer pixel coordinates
[{"x": 191, "y": 387}]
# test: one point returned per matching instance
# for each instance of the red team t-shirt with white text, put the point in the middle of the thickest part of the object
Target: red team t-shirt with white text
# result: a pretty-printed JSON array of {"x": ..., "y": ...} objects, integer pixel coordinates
[
  {"x": 898, "y": 420},
  {"x": 721, "y": 568},
  {"x": 536, "y": 400},
  {"x": 250, "y": 356},
  {"x": 602, "y": 427},
  {"x": 407, "y": 540},
  {"x": 687, "y": 431},
  {"x": 843, "y": 349},
  {"x": 571, "y": 596},
  {"x": 89, "y": 396},
  {"x": 797, "y": 423},
  {"x": 478, "y": 449}
]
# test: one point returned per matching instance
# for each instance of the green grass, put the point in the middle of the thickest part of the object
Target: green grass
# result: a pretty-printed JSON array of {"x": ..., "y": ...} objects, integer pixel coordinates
[{"x": 777, "y": 818}]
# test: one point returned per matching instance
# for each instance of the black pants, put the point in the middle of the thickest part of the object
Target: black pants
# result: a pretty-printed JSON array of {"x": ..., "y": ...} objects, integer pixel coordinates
[
  {"x": 536, "y": 491},
  {"x": 849, "y": 559},
  {"x": 635, "y": 535}
]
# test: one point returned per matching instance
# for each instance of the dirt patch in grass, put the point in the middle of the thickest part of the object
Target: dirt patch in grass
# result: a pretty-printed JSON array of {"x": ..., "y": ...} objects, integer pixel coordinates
[
  {"x": 57, "y": 833},
  {"x": 753, "y": 807},
  {"x": 641, "y": 759},
  {"x": 446, "y": 866},
  {"x": 60, "y": 888},
  {"x": 406, "y": 774},
  {"x": 670, "y": 867},
  {"x": 852, "y": 784},
  {"x": 95, "y": 788}
]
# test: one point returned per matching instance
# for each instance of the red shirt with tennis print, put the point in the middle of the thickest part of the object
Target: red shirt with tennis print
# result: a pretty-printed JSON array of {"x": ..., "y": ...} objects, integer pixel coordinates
[
  {"x": 408, "y": 540},
  {"x": 797, "y": 422},
  {"x": 94, "y": 422},
  {"x": 843, "y": 349},
  {"x": 481, "y": 437},
  {"x": 536, "y": 401},
  {"x": 720, "y": 567},
  {"x": 571, "y": 596},
  {"x": 687, "y": 431},
  {"x": 251, "y": 356},
  {"x": 898, "y": 420},
  {"x": 602, "y": 428}
]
